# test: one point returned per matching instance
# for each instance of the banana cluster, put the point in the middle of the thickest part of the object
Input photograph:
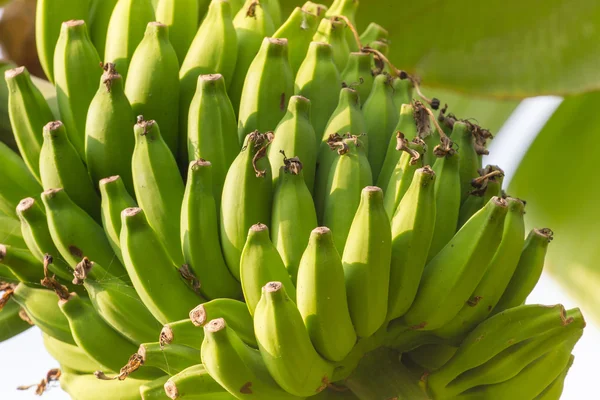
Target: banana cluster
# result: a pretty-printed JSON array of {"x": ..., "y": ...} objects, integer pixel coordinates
[{"x": 234, "y": 205}]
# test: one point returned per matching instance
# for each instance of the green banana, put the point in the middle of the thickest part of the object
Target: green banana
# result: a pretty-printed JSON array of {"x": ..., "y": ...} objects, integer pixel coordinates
[
  {"x": 213, "y": 50},
  {"x": 171, "y": 359},
  {"x": 402, "y": 176},
  {"x": 48, "y": 17},
  {"x": 107, "y": 149},
  {"x": 449, "y": 279},
  {"x": 315, "y": 8},
  {"x": 115, "y": 199},
  {"x": 88, "y": 387},
  {"x": 555, "y": 389},
  {"x": 158, "y": 186},
  {"x": 366, "y": 260},
  {"x": 120, "y": 306},
  {"x": 236, "y": 5},
  {"x": 252, "y": 23},
  {"x": 381, "y": 117},
  {"x": 77, "y": 235},
  {"x": 183, "y": 332},
  {"x": 373, "y": 32},
  {"x": 156, "y": 99},
  {"x": 200, "y": 235},
  {"x": 432, "y": 357},
  {"x": 318, "y": 79},
  {"x": 154, "y": 389},
  {"x": 42, "y": 309},
  {"x": 195, "y": 383},
  {"x": 28, "y": 112},
  {"x": 260, "y": 263},
  {"x": 285, "y": 344},
  {"x": 382, "y": 48},
  {"x": 246, "y": 199},
  {"x": 403, "y": 92},
  {"x": 293, "y": 216},
  {"x": 357, "y": 73},
  {"x": 333, "y": 31},
  {"x": 487, "y": 185},
  {"x": 528, "y": 270},
  {"x": 157, "y": 280},
  {"x": 212, "y": 130},
  {"x": 100, "y": 13},
  {"x": 16, "y": 183},
  {"x": 236, "y": 312},
  {"x": 10, "y": 232},
  {"x": 182, "y": 19},
  {"x": 22, "y": 264},
  {"x": 349, "y": 174},
  {"x": 321, "y": 297},
  {"x": 273, "y": 8},
  {"x": 61, "y": 167},
  {"x": 412, "y": 229},
  {"x": 11, "y": 322},
  {"x": 469, "y": 162},
  {"x": 347, "y": 9},
  {"x": 126, "y": 28},
  {"x": 76, "y": 74},
  {"x": 247, "y": 376},
  {"x": 447, "y": 199},
  {"x": 69, "y": 356},
  {"x": 299, "y": 29},
  {"x": 267, "y": 89}
]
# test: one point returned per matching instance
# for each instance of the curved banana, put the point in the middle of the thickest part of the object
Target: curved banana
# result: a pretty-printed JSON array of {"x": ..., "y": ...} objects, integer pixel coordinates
[
  {"x": 285, "y": 344},
  {"x": 267, "y": 89},
  {"x": 156, "y": 99},
  {"x": 157, "y": 280},
  {"x": 183, "y": 332},
  {"x": 555, "y": 389},
  {"x": 181, "y": 17},
  {"x": 469, "y": 161},
  {"x": 403, "y": 92},
  {"x": 11, "y": 234},
  {"x": 366, "y": 260},
  {"x": 126, "y": 28},
  {"x": 235, "y": 312},
  {"x": 107, "y": 149},
  {"x": 22, "y": 264},
  {"x": 76, "y": 74},
  {"x": 11, "y": 322},
  {"x": 195, "y": 383},
  {"x": 69, "y": 355},
  {"x": 293, "y": 216},
  {"x": 357, "y": 73},
  {"x": 246, "y": 199},
  {"x": 158, "y": 186},
  {"x": 16, "y": 183},
  {"x": 321, "y": 297},
  {"x": 88, "y": 387},
  {"x": 333, "y": 31},
  {"x": 154, "y": 389},
  {"x": 346, "y": 8},
  {"x": 373, "y": 32},
  {"x": 299, "y": 29},
  {"x": 100, "y": 13},
  {"x": 200, "y": 235},
  {"x": 273, "y": 8},
  {"x": 28, "y": 112},
  {"x": 450, "y": 278},
  {"x": 315, "y": 8},
  {"x": 170, "y": 359},
  {"x": 319, "y": 81},
  {"x": 261, "y": 263}
]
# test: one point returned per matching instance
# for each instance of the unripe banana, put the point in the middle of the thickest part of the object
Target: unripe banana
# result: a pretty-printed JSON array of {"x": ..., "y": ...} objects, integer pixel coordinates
[
  {"x": 100, "y": 13},
  {"x": 154, "y": 389},
  {"x": 322, "y": 297},
  {"x": 236, "y": 5},
  {"x": 115, "y": 199},
  {"x": 247, "y": 197},
  {"x": 403, "y": 92},
  {"x": 293, "y": 216},
  {"x": 200, "y": 235},
  {"x": 432, "y": 357},
  {"x": 214, "y": 50},
  {"x": 88, "y": 387},
  {"x": 373, "y": 32},
  {"x": 158, "y": 186},
  {"x": 76, "y": 75},
  {"x": 246, "y": 376},
  {"x": 449, "y": 279},
  {"x": 156, "y": 98},
  {"x": 68, "y": 355},
  {"x": 402, "y": 176},
  {"x": 299, "y": 29},
  {"x": 28, "y": 112},
  {"x": 295, "y": 136},
  {"x": 267, "y": 89},
  {"x": 22, "y": 264},
  {"x": 381, "y": 117},
  {"x": 181, "y": 16},
  {"x": 252, "y": 23},
  {"x": 497, "y": 276},
  {"x": 487, "y": 185},
  {"x": 346, "y": 8},
  {"x": 528, "y": 270},
  {"x": 212, "y": 130},
  {"x": 77, "y": 235},
  {"x": 126, "y": 28},
  {"x": 357, "y": 73},
  {"x": 195, "y": 383},
  {"x": 48, "y": 17},
  {"x": 6, "y": 275},
  {"x": 260, "y": 263},
  {"x": 555, "y": 389},
  {"x": 366, "y": 261},
  {"x": 333, "y": 31},
  {"x": 183, "y": 332},
  {"x": 235, "y": 312},
  {"x": 273, "y": 8},
  {"x": 285, "y": 344},
  {"x": 16, "y": 183},
  {"x": 349, "y": 174},
  {"x": 315, "y": 8},
  {"x": 12, "y": 321},
  {"x": 318, "y": 79},
  {"x": 120, "y": 306},
  {"x": 412, "y": 229},
  {"x": 171, "y": 359},
  {"x": 469, "y": 161},
  {"x": 152, "y": 271},
  {"x": 447, "y": 200},
  {"x": 10, "y": 231},
  {"x": 108, "y": 144}
]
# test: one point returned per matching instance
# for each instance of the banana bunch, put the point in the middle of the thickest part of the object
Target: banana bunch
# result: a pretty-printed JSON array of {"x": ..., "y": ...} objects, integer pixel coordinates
[{"x": 236, "y": 205}]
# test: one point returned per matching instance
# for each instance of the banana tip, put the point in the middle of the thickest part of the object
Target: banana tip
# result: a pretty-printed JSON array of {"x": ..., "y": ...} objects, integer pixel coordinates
[
  {"x": 131, "y": 211},
  {"x": 272, "y": 287},
  {"x": 50, "y": 193},
  {"x": 198, "y": 315},
  {"x": 110, "y": 179},
  {"x": 25, "y": 204},
  {"x": 53, "y": 126},
  {"x": 14, "y": 72},
  {"x": 3, "y": 250},
  {"x": 171, "y": 390},
  {"x": 215, "y": 325}
]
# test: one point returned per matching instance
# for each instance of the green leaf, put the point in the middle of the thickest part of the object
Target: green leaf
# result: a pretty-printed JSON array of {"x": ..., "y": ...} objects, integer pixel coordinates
[{"x": 559, "y": 179}]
